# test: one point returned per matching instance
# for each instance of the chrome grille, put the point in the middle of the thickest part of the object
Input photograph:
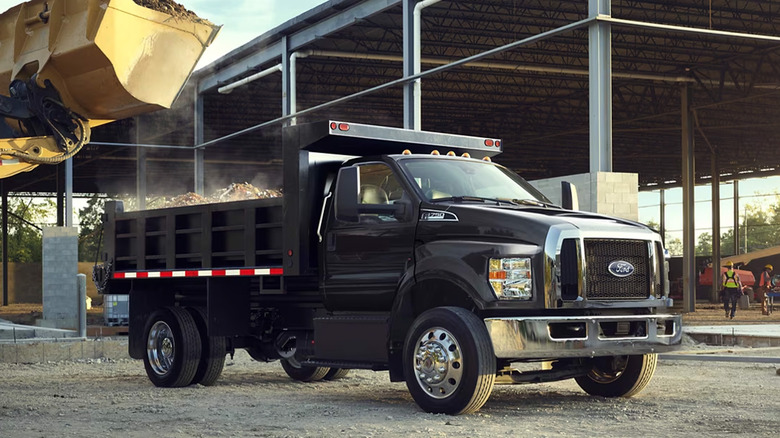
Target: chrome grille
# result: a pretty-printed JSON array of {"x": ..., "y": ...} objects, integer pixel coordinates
[{"x": 601, "y": 284}]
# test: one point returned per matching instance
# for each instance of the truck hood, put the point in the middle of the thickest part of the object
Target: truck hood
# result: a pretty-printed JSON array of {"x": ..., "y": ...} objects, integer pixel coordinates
[{"x": 525, "y": 224}]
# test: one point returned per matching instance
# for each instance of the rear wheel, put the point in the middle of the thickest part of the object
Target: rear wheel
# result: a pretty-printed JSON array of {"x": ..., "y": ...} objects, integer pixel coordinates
[
  {"x": 173, "y": 347},
  {"x": 213, "y": 351},
  {"x": 448, "y": 361},
  {"x": 336, "y": 373},
  {"x": 303, "y": 373},
  {"x": 619, "y": 376}
]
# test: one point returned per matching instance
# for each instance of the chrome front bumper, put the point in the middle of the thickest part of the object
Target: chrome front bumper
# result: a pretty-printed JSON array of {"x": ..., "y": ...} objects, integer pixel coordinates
[{"x": 583, "y": 336}]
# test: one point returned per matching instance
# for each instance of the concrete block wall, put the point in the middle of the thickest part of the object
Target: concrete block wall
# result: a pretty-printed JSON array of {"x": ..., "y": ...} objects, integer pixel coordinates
[
  {"x": 609, "y": 193},
  {"x": 59, "y": 269}
]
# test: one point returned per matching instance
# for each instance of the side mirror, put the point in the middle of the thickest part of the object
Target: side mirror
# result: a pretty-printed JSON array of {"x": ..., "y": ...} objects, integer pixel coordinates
[
  {"x": 346, "y": 199},
  {"x": 569, "y": 198}
]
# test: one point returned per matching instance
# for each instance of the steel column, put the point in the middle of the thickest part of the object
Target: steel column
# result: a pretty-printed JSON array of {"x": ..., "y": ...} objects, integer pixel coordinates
[
  {"x": 140, "y": 168},
  {"x": 715, "y": 229},
  {"x": 688, "y": 174},
  {"x": 286, "y": 80},
  {"x": 60, "y": 194},
  {"x": 4, "y": 190},
  {"x": 199, "y": 153},
  {"x": 737, "y": 233},
  {"x": 69, "y": 192},
  {"x": 600, "y": 69},
  {"x": 408, "y": 68},
  {"x": 663, "y": 215}
]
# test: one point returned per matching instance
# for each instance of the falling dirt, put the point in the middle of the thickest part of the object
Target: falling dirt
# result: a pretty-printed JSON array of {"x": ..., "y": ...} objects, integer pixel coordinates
[{"x": 169, "y": 7}]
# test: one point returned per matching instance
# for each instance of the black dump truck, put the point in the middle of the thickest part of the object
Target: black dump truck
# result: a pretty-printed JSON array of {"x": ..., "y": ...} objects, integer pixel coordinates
[{"x": 407, "y": 251}]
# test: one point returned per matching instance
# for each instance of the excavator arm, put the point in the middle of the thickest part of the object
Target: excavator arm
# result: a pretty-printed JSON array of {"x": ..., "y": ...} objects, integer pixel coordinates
[{"x": 70, "y": 65}]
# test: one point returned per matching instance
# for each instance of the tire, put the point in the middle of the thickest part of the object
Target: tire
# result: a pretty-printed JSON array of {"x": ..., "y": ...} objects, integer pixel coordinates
[
  {"x": 448, "y": 361},
  {"x": 336, "y": 374},
  {"x": 619, "y": 376},
  {"x": 213, "y": 351},
  {"x": 303, "y": 373},
  {"x": 173, "y": 347}
]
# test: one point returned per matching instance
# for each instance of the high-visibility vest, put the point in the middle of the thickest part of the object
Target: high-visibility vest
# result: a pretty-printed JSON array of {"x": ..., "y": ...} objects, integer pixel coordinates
[
  {"x": 765, "y": 281},
  {"x": 731, "y": 280}
]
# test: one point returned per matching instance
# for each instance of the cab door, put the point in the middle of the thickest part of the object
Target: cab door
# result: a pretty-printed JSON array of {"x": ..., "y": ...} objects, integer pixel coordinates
[{"x": 365, "y": 261}]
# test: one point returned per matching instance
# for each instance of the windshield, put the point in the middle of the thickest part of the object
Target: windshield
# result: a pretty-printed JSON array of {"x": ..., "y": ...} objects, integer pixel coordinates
[{"x": 451, "y": 179}]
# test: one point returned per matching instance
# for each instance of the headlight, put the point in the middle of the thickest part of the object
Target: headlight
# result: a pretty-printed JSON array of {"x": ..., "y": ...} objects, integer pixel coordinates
[{"x": 511, "y": 278}]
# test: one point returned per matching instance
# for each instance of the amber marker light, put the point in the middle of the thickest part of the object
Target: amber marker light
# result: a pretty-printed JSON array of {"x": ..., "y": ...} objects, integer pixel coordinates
[
  {"x": 450, "y": 154},
  {"x": 435, "y": 152},
  {"x": 406, "y": 152},
  {"x": 487, "y": 159},
  {"x": 466, "y": 155}
]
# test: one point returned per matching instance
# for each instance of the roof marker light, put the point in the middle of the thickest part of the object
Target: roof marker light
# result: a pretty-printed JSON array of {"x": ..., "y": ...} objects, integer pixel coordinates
[
  {"x": 487, "y": 159},
  {"x": 406, "y": 152},
  {"x": 435, "y": 152},
  {"x": 488, "y": 142},
  {"x": 343, "y": 126},
  {"x": 333, "y": 125},
  {"x": 466, "y": 155},
  {"x": 450, "y": 154}
]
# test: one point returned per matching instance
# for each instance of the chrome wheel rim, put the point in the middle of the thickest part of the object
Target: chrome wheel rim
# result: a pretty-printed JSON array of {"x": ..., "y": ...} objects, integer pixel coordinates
[
  {"x": 617, "y": 365},
  {"x": 160, "y": 348},
  {"x": 438, "y": 363}
]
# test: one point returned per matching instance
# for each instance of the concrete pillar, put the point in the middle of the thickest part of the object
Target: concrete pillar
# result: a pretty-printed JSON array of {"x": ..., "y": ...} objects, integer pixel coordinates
[{"x": 59, "y": 269}]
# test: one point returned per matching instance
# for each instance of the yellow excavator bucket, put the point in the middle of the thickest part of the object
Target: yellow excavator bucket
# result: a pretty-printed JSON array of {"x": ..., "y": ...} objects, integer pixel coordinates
[{"x": 108, "y": 59}]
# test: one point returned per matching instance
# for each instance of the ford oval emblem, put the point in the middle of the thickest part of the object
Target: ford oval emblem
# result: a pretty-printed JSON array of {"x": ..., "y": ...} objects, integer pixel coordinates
[{"x": 621, "y": 268}]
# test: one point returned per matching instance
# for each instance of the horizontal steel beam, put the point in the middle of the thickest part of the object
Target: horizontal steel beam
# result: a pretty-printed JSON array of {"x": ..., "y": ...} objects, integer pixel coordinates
[
  {"x": 711, "y": 358},
  {"x": 273, "y": 51}
]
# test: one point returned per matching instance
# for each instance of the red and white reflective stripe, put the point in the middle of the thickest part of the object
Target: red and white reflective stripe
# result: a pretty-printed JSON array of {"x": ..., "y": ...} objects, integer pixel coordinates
[
  {"x": 243, "y": 272},
  {"x": 8, "y": 162}
]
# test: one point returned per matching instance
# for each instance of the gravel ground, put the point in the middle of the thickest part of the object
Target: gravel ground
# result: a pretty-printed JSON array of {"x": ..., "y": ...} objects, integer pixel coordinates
[{"x": 108, "y": 398}]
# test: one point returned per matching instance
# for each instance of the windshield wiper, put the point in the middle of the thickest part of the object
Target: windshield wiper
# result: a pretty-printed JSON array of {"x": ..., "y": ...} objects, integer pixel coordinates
[
  {"x": 534, "y": 202},
  {"x": 474, "y": 199}
]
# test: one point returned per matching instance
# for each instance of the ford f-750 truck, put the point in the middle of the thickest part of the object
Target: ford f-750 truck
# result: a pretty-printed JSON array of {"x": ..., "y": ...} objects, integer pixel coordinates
[{"x": 421, "y": 257}]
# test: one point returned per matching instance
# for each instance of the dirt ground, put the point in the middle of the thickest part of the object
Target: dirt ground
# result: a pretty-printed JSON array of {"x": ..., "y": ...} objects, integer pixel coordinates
[
  {"x": 107, "y": 398},
  {"x": 103, "y": 397}
]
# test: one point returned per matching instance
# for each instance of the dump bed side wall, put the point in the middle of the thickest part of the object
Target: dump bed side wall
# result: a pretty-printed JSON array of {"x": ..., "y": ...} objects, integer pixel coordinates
[{"x": 224, "y": 235}]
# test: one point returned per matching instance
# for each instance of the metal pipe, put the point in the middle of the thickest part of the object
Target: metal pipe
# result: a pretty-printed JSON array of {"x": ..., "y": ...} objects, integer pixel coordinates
[
  {"x": 230, "y": 87},
  {"x": 497, "y": 66},
  {"x": 294, "y": 83},
  {"x": 417, "y": 84}
]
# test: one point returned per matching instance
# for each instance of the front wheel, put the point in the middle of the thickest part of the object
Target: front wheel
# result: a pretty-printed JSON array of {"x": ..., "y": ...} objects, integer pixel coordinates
[
  {"x": 448, "y": 361},
  {"x": 172, "y": 347},
  {"x": 619, "y": 376}
]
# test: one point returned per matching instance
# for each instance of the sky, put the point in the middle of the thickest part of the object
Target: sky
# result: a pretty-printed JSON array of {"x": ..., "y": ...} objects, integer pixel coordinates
[{"x": 243, "y": 20}]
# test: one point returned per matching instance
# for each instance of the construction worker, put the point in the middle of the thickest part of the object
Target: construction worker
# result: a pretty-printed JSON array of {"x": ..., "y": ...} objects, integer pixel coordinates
[
  {"x": 764, "y": 287},
  {"x": 732, "y": 289}
]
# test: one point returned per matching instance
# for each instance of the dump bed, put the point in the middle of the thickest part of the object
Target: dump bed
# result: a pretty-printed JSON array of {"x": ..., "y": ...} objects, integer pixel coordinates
[{"x": 239, "y": 234}]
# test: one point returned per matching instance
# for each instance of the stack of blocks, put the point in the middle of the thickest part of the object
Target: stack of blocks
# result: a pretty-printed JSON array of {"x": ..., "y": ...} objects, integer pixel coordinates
[
  {"x": 59, "y": 268},
  {"x": 609, "y": 193}
]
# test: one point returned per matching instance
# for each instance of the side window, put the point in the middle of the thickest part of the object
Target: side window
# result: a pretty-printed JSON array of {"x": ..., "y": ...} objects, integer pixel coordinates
[{"x": 378, "y": 185}]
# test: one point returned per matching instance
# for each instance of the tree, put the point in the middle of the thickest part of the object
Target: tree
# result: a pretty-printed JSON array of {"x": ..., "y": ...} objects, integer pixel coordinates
[
  {"x": 91, "y": 228},
  {"x": 25, "y": 217}
]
